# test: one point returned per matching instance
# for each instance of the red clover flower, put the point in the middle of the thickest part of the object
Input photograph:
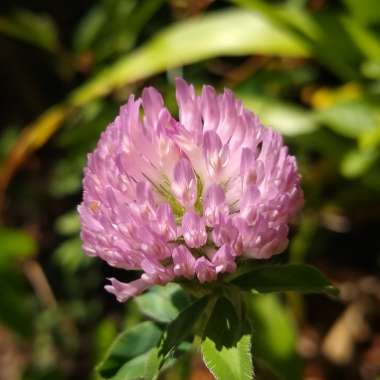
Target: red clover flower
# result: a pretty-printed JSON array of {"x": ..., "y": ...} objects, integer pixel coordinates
[{"x": 186, "y": 199}]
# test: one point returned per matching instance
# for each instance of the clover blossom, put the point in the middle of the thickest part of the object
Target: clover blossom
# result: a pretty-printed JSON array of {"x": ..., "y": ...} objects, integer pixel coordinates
[{"x": 187, "y": 199}]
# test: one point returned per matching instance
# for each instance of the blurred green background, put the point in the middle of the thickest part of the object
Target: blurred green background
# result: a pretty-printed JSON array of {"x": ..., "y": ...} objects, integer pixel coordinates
[{"x": 309, "y": 68}]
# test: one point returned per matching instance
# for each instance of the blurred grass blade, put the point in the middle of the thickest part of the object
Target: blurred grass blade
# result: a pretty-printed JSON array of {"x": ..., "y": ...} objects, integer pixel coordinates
[
  {"x": 287, "y": 118},
  {"x": 29, "y": 27},
  {"x": 323, "y": 33},
  {"x": 356, "y": 162},
  {"x": 15, "y": 245},
  {"x": 32, "y": 138},
  {"x": 366, "y": 11},
  {"x": 89, "y": 28},
  {"x": 230, "y": 32},
  {"x": 293, "y": 18},
  {"x": 104, "y": 39},
  {"x": 275, "y": 335},
  {"x": 367, "y": 41},
  {"x": 68, "y": 224},
  {"x": 350, "y": 119}
]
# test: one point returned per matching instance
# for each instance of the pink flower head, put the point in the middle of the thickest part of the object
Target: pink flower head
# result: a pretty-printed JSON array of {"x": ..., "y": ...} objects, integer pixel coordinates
[{"x": 185, "y": 199}]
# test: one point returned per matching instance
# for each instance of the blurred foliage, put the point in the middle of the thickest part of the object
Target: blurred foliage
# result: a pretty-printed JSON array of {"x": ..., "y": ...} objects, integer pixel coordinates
[{"x": 309, "y": 68}]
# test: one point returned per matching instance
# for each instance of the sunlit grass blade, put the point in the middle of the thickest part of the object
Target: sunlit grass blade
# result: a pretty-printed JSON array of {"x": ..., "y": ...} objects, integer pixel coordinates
[{"x": 231, "y": 32}]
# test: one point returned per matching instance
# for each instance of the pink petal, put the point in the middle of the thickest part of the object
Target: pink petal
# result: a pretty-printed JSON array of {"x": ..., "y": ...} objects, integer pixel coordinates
[
  {"x": 215, "y": 154},
  {"x": 204, "y": 270},
  {"x": 183, "y": 262},
  {"x": 215, "y": 207},
  {"x": 210, "y": 108},
  {"x": 123, "y": 291},
  {"x": 194, "y": 230},
  {"x": 224, "y": 259},
  {"x": 166, "y": 225},
  {"x": 224, "y": 233},
  {"x": 153, "y": 103},
  {"x": 189, "y": 113},
  {"x": 184, "y": 184}
]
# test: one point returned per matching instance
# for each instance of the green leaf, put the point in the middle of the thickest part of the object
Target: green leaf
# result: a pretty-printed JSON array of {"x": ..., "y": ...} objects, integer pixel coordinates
[
  {"x": 132, "y": 370},
  {"x": 280, "y": 278},
  {"x": 229, "y": 32},
  {"x": 15, "y": 245},
  {"x": 234, "y": 363},
  {"x": 143, "y": 367},
  {"x": 163, "y": 303},
  {"x": 129, "y": 345},
  {"x": 181, "y": 327},
  {"x": 152, "y": 365},
  {"x": 224, "y": 326}
]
